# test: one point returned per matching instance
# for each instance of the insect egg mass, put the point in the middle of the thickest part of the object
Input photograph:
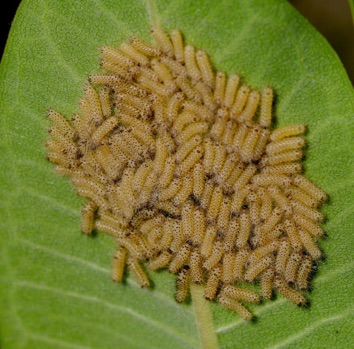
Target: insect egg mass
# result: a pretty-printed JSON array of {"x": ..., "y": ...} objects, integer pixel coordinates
[{"x": 181, "y": 166}]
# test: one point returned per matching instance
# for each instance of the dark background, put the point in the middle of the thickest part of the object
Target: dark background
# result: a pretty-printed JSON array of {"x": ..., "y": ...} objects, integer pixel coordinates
[{"x": 331, "y": 17}]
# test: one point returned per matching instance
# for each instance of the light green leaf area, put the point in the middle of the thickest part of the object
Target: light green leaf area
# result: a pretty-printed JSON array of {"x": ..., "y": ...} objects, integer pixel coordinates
[{"x": 55, "y": 286}]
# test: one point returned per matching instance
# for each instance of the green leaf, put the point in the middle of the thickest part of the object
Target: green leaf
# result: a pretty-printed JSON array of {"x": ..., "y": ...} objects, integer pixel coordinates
[{"x": 55, "y": 288}]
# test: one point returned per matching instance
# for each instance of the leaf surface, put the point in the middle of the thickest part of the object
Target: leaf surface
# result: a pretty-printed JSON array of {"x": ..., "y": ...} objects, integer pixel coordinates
[{"x": 55, "y": 287}]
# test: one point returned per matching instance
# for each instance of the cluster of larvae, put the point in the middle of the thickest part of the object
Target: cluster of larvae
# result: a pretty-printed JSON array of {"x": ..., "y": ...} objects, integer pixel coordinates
[{"x": 181, "y": 166}]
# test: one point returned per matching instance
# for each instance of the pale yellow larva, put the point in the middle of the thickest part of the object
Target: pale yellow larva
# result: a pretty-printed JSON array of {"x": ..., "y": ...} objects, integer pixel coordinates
[
  {"x": 114, "y": 220},
  {"x": 173, "y": 106},
  {"x": 105, "y": 101},
  {"x": 205, "y": 68},
  {"x": 178, "y": 47},
  {"x": 254, "y": 208},
  {"x": 287, "y": 131},
  {"x": 266, "y": 180},
  {"x": 191, "y": 64},
  {"x": 198, "y": 180},
  {"x": 140, "y": 176},
  {"x": 308, "y": 187},
  {"x": 234, "y": 175},
  {"x": 80, "y": 127},
  {"x": 261, "y": 144},
  {"x": 220, "y": 84},
  {"x": 245, "y": 229},
  {"x": 105, "y": 79},
  {"x": 173, "y": 188},
  {"x": 308, "y": 225},
  {"x": 285, "y": 290},
  {"x": 123, "y": 73},
  {"x": 235, "y": 306},
  {"x": 230, "y": 90},
  {"x": 228, "y": 267},
  {"x": 209, "y": 155},
  {"x": 137, "y": 148},
  {"x": 140, "y": 104},
  {"x": 180, "y": 259},
  {"x": 118, "y": 264},
  {"x": 267, "y": 278},
  {"x": 196, "y": 267},
  {"x": 265, "y": 114},
  {"x": 89, "y": 183},
  {"x": 191, "y": 130},
  {"x": 153, "y": 86},
  {"x": 266, "y": 203},
  {"x": 175, "y": 67},
  {"x": 215, "y": 204},
  {"x": 249, "y": 144},
  {"x": 251, "y": 107},
  {"x": 299, "y": 195},
  {"x": 231, "y": 234},
  {"x": 150, "y": 223},
  {"x": 200, "y": 110},
  {"x": 164, "y": 75},
  {"x": 143, "y": 47},
  {"x": 309, "y": 244},
  {"x": 282, "y": 256},
  {"x": 132, "y": 246},
  {"x": 167, "y": 173},
  {"x": 167, "y": 237},
  {"x": 213, "y": 281},
  {"x": 108, "y": 162},
  {"x": 199, "y": 225},
  {"x": 307, "y": 212},
  {"x": 194, "y": 156},
  {"x": 215, "y": 256},
  {"x": 168, "y": 209},
  {"x": 87, "y": 217},
  {"x": 187, "y": 222},
  {"x": 115, "y": 57},
  {"x": 206, "y": 94},
  {"x": 272, "y": 221},
  {"x": 292, "y": 266},
  {"x": 240, "y": 101},
  {"x": 287, "y": 169},
  {"x": 135, "y": 55},
  {"x": 61, "y": 123},
  {"x": 239, "y": 264},
  {"x": 161, "y": 261},
  {"x": 208, "y": 241},
  {"x": 160, "y": 157},
  {"x": 207, "y": 193},
  {"x": 240, "y": 136},
  {"x": 184, "y": 150},
  {"x": 262, "y": 251},
  {"x": 94, "y": 101},
  {"x": 182, "y": 288},
  {"x": 219, "y": 158},
  {"x": 185, "y": 85},
  {"x": 280, "y": 199},
  {"x": 146, "y": 191},
  {"x": 167, "y": 139},
  {"x": 139, "y": 273},
  {"x": 103, "y": 130},
  {"x": 290, "y": 143},
  {"x": 256, "y": 269},
  {"x": 241, "y": 294},
  {"x": 238, "y": 199},
  {"x": 182, "y": 120},
  {"x": 304, "y": 272},
  {"x": 163, "y": 40},
  {"x": 178, "y": 237},
  {"x": 245, "y": 177},
  {"x": 70, "y": 147},
  {"x": 229, "y": 134},
  {"x": 186, "y": 190},
  {"x": 225, "y": 171},
  {"x": 281, "y": 158},
  {"x": 224, "y": 214},
  {"x": 293, "y": 234}
]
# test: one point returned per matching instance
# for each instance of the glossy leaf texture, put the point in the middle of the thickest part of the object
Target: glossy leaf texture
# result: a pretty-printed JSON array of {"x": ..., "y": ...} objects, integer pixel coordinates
[{"x": 55, "y": 287}]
